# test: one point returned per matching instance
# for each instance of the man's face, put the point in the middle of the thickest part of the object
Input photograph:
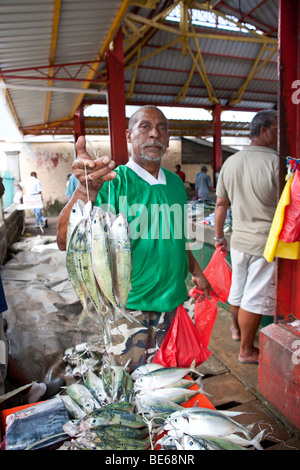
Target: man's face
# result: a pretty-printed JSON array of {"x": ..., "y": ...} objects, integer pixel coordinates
[{"x": 149, "y": 136}]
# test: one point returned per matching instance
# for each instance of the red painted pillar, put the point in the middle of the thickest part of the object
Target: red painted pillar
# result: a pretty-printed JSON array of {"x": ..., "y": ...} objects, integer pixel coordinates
[
  {"x": 217, "y": 146},
  {"x": 116, "y": 101},
  {"x": 288, "y": 299},
  {"x": 79, "y": 126},
  {"x": 279, "y": 361}
]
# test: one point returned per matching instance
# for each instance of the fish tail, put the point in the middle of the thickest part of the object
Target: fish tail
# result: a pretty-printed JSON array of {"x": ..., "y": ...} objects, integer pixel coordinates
[
  {"x": 257, "y": 439},
  {"x": 87, "y": 314}
]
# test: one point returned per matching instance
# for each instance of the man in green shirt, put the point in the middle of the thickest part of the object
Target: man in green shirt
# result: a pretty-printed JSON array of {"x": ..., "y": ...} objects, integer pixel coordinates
[{"x": 154, "y": 201}]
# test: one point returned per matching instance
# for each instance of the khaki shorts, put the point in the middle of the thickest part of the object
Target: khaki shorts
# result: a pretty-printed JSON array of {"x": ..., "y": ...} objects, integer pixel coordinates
[
  {"x": 137, "y": 341},
  {"x": 253, "y": 283}
]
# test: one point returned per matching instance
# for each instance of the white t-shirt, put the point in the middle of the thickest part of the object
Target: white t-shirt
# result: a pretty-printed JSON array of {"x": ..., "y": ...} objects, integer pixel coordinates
[
  {"x": 31, "y": 185},
  {"x": 249, "y": 179}
]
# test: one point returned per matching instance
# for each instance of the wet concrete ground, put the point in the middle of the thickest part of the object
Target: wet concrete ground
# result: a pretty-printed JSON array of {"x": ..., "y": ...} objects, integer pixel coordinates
[
  {"x": 235, "y": 386},
  {"x": 231, "y": 385}
]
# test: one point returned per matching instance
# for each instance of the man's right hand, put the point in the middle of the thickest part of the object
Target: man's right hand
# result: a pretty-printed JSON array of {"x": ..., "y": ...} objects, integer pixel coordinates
[{"x": 92, "y": 172}]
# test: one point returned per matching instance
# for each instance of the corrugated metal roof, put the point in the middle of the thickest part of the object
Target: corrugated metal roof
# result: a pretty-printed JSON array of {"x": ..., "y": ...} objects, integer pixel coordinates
[{"x": 28, "y": 41}]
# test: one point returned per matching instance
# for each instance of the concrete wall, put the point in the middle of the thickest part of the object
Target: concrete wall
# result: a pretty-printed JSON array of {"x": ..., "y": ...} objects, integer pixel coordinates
[{"x": 11, "y": 225}]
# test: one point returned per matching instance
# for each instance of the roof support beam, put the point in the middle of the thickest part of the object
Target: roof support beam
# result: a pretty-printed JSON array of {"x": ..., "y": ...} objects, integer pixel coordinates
[
  {"x": 225, "y": 37},
  {"x": 113, "y": 30},
  {"x": 256, "y": 67}
]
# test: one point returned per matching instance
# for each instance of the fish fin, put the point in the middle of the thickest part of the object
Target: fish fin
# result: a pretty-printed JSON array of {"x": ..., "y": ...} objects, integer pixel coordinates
[
  {"x": 126, "y": 365},
  {"x": 82, "y": 317}
]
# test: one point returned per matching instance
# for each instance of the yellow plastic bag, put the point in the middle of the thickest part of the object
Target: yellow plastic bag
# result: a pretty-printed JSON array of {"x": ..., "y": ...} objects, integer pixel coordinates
[{"x": 275, "y": 247}]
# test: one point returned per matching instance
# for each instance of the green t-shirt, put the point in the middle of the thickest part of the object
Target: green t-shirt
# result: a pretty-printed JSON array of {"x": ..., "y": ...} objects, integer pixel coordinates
[{"x": 156, "y": 214}]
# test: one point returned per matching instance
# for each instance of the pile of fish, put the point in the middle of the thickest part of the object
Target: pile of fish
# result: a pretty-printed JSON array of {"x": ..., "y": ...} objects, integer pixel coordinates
[
  {"x": 82, "y": 358},
  {"x": 99, "y": 260},
  {"x": 115, "y": 410}
]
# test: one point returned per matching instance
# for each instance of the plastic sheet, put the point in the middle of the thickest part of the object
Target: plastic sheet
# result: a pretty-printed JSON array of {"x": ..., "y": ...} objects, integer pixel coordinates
[{"x": 43, "y": 310}]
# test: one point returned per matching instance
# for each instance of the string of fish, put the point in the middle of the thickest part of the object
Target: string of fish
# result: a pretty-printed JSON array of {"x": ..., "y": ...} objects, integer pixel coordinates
[{"x": 98, "y": 260}]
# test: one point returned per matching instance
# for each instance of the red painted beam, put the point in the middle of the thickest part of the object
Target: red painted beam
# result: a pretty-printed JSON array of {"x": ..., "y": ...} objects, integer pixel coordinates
[
  {"x": 279, "y": 360},
  {"x": 79, "y": 126},
  {"x": 209, "y": 74},
  {"x": 288, "y": 302},
  {"x": 44, "y": 74},
  {"x": 116, "y": 101}
]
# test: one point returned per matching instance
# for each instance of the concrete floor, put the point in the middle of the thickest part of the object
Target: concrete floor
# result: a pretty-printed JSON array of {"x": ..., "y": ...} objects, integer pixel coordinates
[
  {"x": 231, "y": 385},
  {"x": 235, "y": 386}
]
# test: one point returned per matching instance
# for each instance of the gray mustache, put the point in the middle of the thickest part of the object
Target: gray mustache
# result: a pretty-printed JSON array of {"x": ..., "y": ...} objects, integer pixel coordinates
[{"x": 153, "y": 143}]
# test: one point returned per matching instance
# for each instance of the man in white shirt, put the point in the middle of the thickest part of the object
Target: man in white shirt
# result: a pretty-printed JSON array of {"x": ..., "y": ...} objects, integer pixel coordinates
[
  {"x": 32, "y": 187},
  {"x": 249, "y": 181}
]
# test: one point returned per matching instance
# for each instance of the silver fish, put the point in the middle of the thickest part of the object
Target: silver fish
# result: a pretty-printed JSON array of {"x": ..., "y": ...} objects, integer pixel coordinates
[
  {"x": 75, "y": 275},
  {"x": 240, "y": 441},
  {"x": 145, "y": 369},
  {"x": 82, "y": 397},
  {"x": 101, "y": 256},
  {"x": 76, "y": 215},
  {"x": 155, "y": 406},
  {"x": 74, "y": 411},
  {"x": 83, "y": 261},
  {"x": 206, "y": 423},
  {"x": 163, "y": 377},
  {"x": 207, "y": 443},
  {"x": 174, "y": 394},
  {"x": 122, "y": 260},
  {"x": 95, "y": 385}
]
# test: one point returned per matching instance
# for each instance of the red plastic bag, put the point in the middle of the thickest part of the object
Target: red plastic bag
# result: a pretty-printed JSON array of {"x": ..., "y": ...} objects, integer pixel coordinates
[
  {"x": 182, "y": 343},
  {"x": 218, "y": 273},
  {"x": 290, "y": 231}
]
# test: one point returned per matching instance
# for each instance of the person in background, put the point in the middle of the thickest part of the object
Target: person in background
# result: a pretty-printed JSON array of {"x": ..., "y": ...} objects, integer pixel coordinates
[
  {"x": 71, "y": 185},
  {"x": 249, "y": 181},
  {"x": 180, "y": 173},
  {"x": 159, "y": 264},
  {"x": 203, "y": 184},
  {"x": 32, "y": 187}
]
